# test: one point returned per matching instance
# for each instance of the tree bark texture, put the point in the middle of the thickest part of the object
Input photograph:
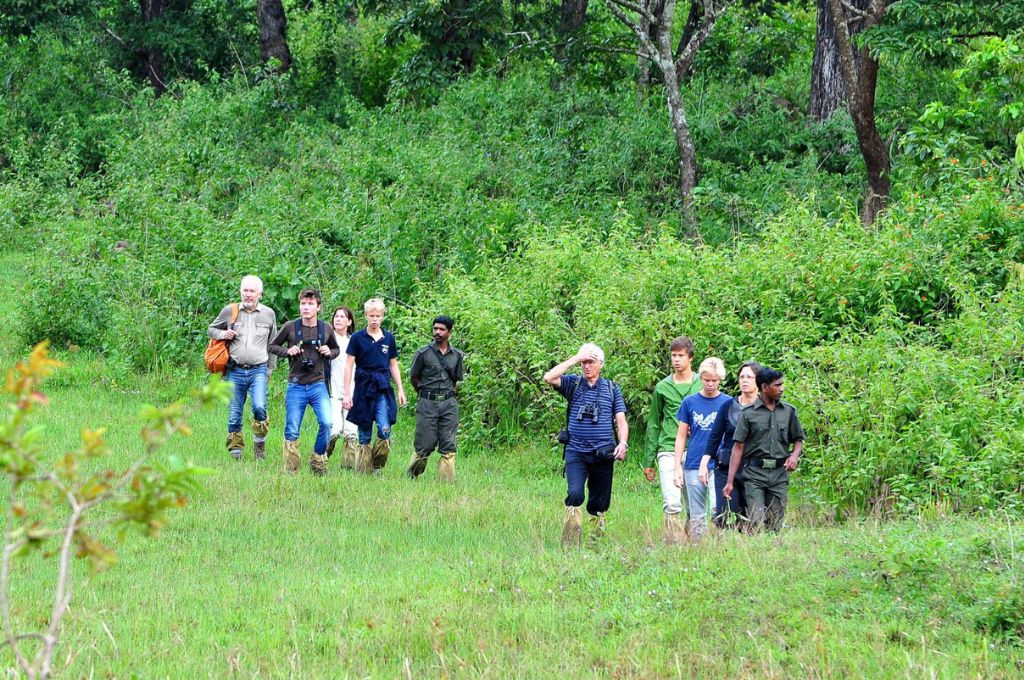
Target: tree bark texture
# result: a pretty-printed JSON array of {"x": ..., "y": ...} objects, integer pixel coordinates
[
  {"x": 652, "y": 27},
  {"x": 860, "y": 77},
  {"x": 574, "y": 12},
  {"x": 152, "y": 57},
  {"x": 273, "y": 34},
  {"x": 827, "y": 92}
]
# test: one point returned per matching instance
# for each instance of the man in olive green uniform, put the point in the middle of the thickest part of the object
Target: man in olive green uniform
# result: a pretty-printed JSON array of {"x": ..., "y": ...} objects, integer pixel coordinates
[
  {"x": 436, "y": 370},
  {"x": 764, "y": 433}
]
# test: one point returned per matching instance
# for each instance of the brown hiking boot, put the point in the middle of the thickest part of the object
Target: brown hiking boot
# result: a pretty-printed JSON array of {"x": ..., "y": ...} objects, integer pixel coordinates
[
  {"x": 675, "y": 532},
  {"x": 330, "y": 444},
  {"x": 235, "y": 444},
  {"x": 350, "y": 453},
  {"x": 446, "y": 467},
  {"x": 381, "y": 449},
  {"x": 259, "y": 449},
  {"x": 597, "y": 527},
  {"x": 364, "y": 460},
  {"x": 572, "y": 527},
  {"x": 318, "y": 464},
  {"x": 291, "y": 457},
  {"x": 417, "y": 464}
]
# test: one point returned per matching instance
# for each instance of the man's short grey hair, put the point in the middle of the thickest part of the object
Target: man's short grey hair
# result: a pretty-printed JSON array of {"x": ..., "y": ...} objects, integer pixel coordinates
[
  {"x": 591, "y": 348},
  {"x": 252, "y": 279}
]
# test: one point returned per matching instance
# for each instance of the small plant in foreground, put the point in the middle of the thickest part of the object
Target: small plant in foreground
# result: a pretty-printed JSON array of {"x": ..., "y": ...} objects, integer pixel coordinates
[{"x": 49, "y": 497}]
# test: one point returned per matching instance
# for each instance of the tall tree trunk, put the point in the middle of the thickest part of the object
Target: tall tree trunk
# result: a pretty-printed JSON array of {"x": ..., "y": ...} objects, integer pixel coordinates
[
  {"x": 152, "y": 57},
  {"x": 273, "y": 34},
  {"x": 644, "y": 79},
  {"x": 827, "y": 92},
  {"x": 860, "y": 77},
  {"x": 574, "y": 12},
  {"x": 680, "y": 127}
]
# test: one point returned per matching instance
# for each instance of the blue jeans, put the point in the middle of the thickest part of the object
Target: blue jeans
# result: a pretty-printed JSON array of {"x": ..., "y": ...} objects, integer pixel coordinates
[
  {"x": 251, "y": 382},
  {"x": 295, "y": 400},
  {"x": 696, "y": 502},
  {"x": 383, "y": 419}
]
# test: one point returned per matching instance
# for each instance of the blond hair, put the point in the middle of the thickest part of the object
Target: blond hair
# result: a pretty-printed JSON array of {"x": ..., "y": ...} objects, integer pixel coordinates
[
  {"x": 374, "y": 303},
  {"x": 714, "y": 366}
]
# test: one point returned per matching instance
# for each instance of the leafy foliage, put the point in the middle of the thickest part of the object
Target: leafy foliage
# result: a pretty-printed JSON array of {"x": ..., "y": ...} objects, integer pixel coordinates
[{"x": 51, "y": 501}]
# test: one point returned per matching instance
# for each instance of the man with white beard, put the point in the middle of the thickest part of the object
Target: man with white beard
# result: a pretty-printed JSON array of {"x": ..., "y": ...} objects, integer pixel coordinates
[{"x": 248, "y": 327}]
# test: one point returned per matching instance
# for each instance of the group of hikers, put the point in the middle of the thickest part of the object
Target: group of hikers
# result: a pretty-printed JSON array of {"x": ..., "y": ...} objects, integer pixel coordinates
[
  {"x": 349, "y": 378},
  {"x": 703, "y": 444}
]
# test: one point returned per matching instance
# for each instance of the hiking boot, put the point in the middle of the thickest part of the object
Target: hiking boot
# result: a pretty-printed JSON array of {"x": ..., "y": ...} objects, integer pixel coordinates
[
  {"x": 675, "y": 532},
  {"x": 446, "y": 467},
  {"x": 364, "y": 459},
  {"x": 350, "y": 453},
  {"x": 381, "y": 449},
  {"x": 330, "y": 444},
  {"x": 318, "y": 464},
  {"x": 235, "y": 444},
  {"x": 259, "y": 449},
  {"x": 291, "y": 457},
  {"x": 597, "y": 527},
  {"x": 572, "y": 527},
  {"x": 417, "y": 464}
]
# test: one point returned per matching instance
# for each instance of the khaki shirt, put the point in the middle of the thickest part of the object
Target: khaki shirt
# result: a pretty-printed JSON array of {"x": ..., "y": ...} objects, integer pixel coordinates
[
  {"x": 253, "y": 332},
  {"x": 428, "y": 371},
  {"x": 767, "y": 433}
]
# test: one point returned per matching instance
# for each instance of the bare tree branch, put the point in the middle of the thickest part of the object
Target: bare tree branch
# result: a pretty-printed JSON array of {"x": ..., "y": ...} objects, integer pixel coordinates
[
  {"x": 642, "y": 36},
  {"x": 634, "y": 7}
]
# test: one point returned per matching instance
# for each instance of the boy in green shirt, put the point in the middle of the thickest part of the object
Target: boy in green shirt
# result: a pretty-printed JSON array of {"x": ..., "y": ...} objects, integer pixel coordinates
[{"x": 662, "y": 427}]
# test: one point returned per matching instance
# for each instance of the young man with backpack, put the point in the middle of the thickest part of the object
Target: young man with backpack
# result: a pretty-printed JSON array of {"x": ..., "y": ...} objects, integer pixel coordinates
[
  {"x": 310, "y": 345},
  {"x": 247, "y": 328}
]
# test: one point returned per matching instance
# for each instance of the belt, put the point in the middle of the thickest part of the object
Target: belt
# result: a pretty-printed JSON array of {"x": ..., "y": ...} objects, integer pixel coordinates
[
  {"x": 235, "y": 364},
  {"x": 436, "y": 396},
  {"x": 767, "y": 463}
]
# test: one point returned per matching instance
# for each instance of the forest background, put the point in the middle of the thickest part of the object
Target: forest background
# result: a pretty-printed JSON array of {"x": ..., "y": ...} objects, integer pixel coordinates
[{"x": 831, "y": 188}]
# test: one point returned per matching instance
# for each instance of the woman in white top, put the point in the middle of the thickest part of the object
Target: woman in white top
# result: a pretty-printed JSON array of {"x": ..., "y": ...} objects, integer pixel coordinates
[{"x": 344, "y": 324}]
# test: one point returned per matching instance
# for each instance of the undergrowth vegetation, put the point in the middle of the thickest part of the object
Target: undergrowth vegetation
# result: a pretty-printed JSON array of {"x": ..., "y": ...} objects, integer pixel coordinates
[{"x": 542, "y": 216}]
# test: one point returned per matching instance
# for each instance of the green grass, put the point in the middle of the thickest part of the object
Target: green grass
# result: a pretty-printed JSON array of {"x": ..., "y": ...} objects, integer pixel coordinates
[{"x": 271, "y": 576}]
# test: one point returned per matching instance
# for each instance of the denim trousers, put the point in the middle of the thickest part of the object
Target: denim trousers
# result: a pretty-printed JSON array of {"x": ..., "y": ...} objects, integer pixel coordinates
[
  {"x": 696, "y": 502},
  {"x": 296, "y": 398},
  {"x": 383, "y": 419},
  {"x": 587, "y": 469},
  {"x": 251, "y": 383}
]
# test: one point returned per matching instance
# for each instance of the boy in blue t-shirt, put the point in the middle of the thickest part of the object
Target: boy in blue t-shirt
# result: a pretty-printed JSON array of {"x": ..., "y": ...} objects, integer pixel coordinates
[
  {"x": 697, "y": 415},
  {"x": 373, "y": 360}
]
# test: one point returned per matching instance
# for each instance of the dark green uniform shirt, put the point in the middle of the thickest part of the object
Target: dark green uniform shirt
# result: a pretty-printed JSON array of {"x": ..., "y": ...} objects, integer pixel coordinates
[
  {"x": 767, "y": 433},
  {"x": 428, "y": 371}
]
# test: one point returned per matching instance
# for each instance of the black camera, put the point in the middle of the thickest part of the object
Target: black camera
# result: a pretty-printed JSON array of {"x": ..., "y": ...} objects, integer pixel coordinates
[{"x": 308, "y": 364}]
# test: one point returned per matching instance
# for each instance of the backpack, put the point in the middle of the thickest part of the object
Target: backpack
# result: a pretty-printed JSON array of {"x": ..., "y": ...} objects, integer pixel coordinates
[
  {"x": 297, "y": 340},
  {"x": 217, "y": 355}
]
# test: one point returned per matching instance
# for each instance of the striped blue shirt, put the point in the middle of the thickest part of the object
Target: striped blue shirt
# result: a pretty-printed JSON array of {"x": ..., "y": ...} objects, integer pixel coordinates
[{"x": 604, "y": 399}]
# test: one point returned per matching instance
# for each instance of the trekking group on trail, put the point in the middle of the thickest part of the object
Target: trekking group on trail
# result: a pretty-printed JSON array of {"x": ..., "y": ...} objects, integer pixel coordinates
[{"x": 707, "y": 448}]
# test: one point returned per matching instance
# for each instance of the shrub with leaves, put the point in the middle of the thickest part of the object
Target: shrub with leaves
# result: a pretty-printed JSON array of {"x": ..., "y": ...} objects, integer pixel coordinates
[{"x": 52, "y": 499}]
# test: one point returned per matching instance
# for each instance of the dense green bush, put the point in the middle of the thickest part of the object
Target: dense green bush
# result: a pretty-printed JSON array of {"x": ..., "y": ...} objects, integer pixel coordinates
[
  {"x": 901, "y": 344},
  {"x": 542, "y": 217}
]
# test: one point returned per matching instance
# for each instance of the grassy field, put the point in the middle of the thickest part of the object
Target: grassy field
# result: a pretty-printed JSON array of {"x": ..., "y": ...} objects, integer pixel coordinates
[{"x": 271, "y": 576}]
